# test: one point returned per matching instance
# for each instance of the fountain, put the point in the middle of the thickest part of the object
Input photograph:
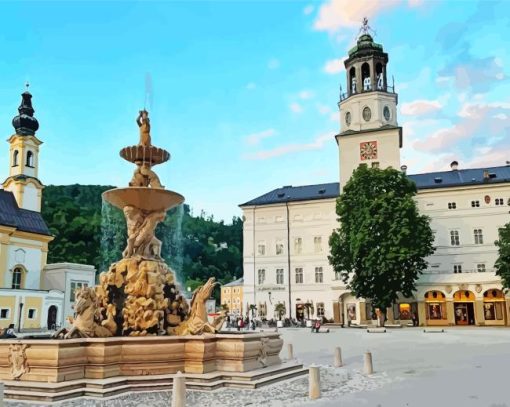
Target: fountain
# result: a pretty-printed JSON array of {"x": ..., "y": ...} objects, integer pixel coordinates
[{"x": 134, "y": 331}]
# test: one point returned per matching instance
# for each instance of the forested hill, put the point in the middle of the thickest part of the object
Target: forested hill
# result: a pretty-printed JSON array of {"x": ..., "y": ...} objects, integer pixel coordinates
[{"x": 89, "y": 231}]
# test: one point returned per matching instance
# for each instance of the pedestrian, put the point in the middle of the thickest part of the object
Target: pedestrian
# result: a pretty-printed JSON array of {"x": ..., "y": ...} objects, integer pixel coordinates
[
  {"x": 414, "y": 319},
  {"x": 239, "y": 324},
  {"x": 10, "y": 332},
  {"x": 252, "y": 325},
  {"x": 317, "y": 326}
]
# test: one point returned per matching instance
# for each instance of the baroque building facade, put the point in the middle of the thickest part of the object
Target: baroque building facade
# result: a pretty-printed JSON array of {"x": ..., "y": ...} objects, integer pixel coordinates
[
  {"x": 286, "y": 231},
  {"x": 33, "y": 294}
]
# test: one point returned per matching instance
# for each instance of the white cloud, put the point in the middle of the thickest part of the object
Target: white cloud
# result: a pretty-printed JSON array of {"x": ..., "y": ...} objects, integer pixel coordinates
[
  {"x": 316, "y": 144},
  {"x": 296, "y": 107},
  {"x": 305, "y": 94},
  {"x": 336, "y": 14},
  {"x": 308, "y": 10},
  {"x": 251, "y": 86},
  {"x": 334, "y": 117},
  {"x": 255, "y": 138},
  {"x": 323, "y": 109},
  {"x": 420, "y": 107},
  {"x": 273, "y": 63},
  {"x": 334, "y": 66}
]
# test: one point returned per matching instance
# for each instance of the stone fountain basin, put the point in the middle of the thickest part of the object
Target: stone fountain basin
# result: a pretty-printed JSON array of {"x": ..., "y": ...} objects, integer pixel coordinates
[{"x": 145, "y": 198}]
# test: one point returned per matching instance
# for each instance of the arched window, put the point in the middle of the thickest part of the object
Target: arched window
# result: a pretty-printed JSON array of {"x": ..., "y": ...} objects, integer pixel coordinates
[
  {"x": 15, "y": 158},
  {"x": 30, "y": 159},
  {"x": 365, "y": 77},
  {"x": 16, "y": 278}
]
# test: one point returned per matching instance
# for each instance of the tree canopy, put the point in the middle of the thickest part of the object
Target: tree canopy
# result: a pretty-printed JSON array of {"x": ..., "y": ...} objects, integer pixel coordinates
[
  {"x": 90, "y": 231},
  {"x": 503, "y": 262},
  {"x": 382, "y": 242}
]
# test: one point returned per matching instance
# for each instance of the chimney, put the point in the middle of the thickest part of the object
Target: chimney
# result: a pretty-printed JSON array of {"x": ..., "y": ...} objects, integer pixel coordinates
[
  {"x": 454, "y": 165},
  {"x": 403, "y": 168}
]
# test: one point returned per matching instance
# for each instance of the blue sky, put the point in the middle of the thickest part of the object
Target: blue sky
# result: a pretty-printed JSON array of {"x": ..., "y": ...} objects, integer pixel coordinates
[{"x": 244, "y": 94}]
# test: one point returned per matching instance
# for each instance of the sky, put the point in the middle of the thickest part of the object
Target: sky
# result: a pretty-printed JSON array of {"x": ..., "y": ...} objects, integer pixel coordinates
[{"x": 244, "y": 94}]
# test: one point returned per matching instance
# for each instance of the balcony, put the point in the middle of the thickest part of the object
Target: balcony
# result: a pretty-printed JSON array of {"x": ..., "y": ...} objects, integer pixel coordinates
[{"x": 387, "y": 89}]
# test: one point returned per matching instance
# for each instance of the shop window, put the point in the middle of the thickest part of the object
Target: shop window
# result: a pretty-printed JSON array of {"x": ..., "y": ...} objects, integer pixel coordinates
[
  {"x": 499, "y": 201},
  {"x": 261, "y": 276},
  {"x": 452, "y": 205},
  {"x": 5, "y": 313},
  {"x": 320, "y": 309},
  {"x": 31, "y": 313},
  {"x": 16, "y": 278},
  {"x": 457, "y": 268},
  {"x": 434, "y": 310},
  {"x": 475, "y": 204},
  {"x": 404, "y": 311},
  {"x": 279, "y": 276},
  {"x": 478, "y": 236},
  {"x": 480, "y": 268},
  {"x": 299, "y": 275},
  {"x": 454, "y": 238},
  {"x": 318, "y": 275}
]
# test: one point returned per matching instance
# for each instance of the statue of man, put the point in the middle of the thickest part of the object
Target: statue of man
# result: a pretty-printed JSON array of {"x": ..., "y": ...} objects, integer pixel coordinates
[
  {"x": 145, "y": 128},
  {"x": 134, "y": 221},
  {"x": 151, "y": 176}
]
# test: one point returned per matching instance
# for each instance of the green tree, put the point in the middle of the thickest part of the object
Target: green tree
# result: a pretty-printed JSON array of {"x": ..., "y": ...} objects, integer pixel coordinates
[
  {"x": 382, "y": 242},
  {"x": 503, "y": 262}
]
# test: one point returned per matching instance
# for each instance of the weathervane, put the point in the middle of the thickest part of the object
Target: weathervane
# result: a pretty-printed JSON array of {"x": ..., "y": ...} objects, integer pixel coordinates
[{"x": 365, "y": 28}]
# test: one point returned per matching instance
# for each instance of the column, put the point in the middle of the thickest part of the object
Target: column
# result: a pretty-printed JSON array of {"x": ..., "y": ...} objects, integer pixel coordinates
[
  {"x": 362, "y": 312},
  {"x": 422, "y": 314},
  {"x": 450, "y": 312},
  {"x": 479, "y": 317}
]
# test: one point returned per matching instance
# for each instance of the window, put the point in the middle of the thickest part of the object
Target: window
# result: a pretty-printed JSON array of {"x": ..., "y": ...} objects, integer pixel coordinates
[
  {"x": 31, "y": 313},
  {"x": 15, "y": 157},
  {"x": 30, "y": 159},
  {"x": 452, "y": 205},
  {"x": 480, "y": 268},
  {"x": 261, "y": 249},
  {"x": 475, "y": 204},
  {"x": 279, "y": 248},
  {"x": 16, "y": 278},
  {"x": 454, "y": 238},
  {"x": 338, "y": 275},
  {"x": 5, "y": 313},
  {"x": 299, "y": 275},
  {"x": 499, "y": 201},
  {"x": 279, "y": 276},
  {"x": 318, "y": 275},
  {"x": 261, "y": 276},
  {"x": 457, "y": 268},
  {"x": 298, "y": 245},
  {"x": 478, "y": 236},
  {"x": 375, "y": 164},
  {"x": 75, "y": 285},
  {"x": 320, "y": 309},
  {"x": 317, "y": 241}
]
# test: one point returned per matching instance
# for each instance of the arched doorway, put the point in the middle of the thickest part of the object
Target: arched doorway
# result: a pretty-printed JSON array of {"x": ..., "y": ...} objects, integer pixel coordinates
[
  {"x": 435, "y": 308},
  {"x": 52, "y": 317},
  {"x": 494, "y": 310},
  {"x": 464, "y": 307}
]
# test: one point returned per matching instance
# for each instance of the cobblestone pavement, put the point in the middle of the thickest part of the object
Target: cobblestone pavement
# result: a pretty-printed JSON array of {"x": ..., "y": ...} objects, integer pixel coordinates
[{"x": 334, "y": 382}]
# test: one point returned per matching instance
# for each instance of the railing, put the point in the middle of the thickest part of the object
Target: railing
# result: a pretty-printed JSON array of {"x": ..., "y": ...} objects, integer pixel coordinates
[{"x": 387, "y": 89}]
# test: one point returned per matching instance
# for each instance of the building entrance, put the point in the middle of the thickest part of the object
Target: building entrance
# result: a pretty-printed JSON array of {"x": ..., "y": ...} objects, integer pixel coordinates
[{"x": 464, "y": 313}]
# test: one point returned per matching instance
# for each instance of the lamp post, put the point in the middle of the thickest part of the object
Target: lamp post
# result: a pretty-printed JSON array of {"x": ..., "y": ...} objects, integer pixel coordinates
[
  {"x": 270, "y": 302},
  {"x": 19, "y": 316}
]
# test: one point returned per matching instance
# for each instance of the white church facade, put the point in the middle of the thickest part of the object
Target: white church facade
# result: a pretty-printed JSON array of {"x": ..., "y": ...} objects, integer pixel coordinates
[
  {"x": 33, "y": 295},
  {"x": 286, "y": 231}
]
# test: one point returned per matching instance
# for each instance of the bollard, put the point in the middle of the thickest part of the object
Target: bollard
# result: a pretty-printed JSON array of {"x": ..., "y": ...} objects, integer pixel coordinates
[
  {"x": 338, "y": 357},
  {"x": 314, "y": 382},
  {"x": 179, "y": 390},
  {"x": 290, "y": 351},
  {"x": 369, "y": 368}
]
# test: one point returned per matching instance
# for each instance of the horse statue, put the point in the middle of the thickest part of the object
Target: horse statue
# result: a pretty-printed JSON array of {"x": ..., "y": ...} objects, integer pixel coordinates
[
  {"x": 85, "y": 324},
  {"x": 197, "y": 323}
]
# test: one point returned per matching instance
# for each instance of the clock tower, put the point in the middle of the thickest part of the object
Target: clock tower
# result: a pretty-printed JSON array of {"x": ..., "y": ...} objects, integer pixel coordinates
[{"x": 369, "y": 132}]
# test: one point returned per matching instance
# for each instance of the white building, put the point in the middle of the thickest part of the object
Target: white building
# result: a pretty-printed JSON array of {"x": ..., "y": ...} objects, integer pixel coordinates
[{"x": 286, "y": 231}]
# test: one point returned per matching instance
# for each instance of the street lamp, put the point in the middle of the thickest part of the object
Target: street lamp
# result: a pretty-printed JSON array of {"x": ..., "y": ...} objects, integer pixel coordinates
[{"x": 270, "y": 302}]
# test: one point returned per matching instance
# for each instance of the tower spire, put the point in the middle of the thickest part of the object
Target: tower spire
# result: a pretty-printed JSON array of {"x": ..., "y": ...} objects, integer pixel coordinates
[{"x": 25, "y": 123}]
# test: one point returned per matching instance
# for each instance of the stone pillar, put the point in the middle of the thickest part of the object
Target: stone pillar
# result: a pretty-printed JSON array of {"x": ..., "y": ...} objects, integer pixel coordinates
[
  {"x": 179, "y": 390},
  {"x": 422, "y": 313},
  {"x": 450, "y": 312},
  {"x": 362, "y": 311},
  {"x": 290, "y": 351},
  {"x": 314, "y": 382},
  {"x": 369, "y": 368},
  {"x": 390, "y": 316},
  {"x": 479, "y": 316},
  {"x": 338, "y": 357},
  {"x": 507, "y": 311}
]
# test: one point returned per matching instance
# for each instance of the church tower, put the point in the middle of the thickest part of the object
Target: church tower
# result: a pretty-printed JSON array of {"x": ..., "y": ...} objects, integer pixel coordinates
[
  {"x": 369, "y": 132},
  {"x": 23, "y": 179}
]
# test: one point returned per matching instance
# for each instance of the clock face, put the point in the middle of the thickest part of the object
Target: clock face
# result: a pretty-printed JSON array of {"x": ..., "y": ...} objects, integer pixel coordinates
[
  {"x": 348, "y": 118},
  {"x": 386, "y": 113},
  {"x": 367, "y": 114},
  {"x": 368, "y": 150}
]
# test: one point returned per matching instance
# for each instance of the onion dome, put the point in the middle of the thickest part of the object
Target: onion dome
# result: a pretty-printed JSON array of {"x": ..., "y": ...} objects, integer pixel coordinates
[{"x": 25, "y": 123}]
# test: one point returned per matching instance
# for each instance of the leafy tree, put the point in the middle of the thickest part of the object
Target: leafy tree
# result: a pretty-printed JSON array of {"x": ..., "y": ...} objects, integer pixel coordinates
[
  {"x": 503, "y": 262},
  {"x": 382, "y": 242}
]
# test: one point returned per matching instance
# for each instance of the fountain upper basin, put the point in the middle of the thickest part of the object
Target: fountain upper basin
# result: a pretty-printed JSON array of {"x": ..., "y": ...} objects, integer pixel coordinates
[{"x": 145, "y": 198}]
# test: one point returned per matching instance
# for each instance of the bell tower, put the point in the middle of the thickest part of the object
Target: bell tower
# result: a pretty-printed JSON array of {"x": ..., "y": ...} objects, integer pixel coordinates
[
  {"x": 369, "y": 132},
  {"x": 23, "y": 179}
]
